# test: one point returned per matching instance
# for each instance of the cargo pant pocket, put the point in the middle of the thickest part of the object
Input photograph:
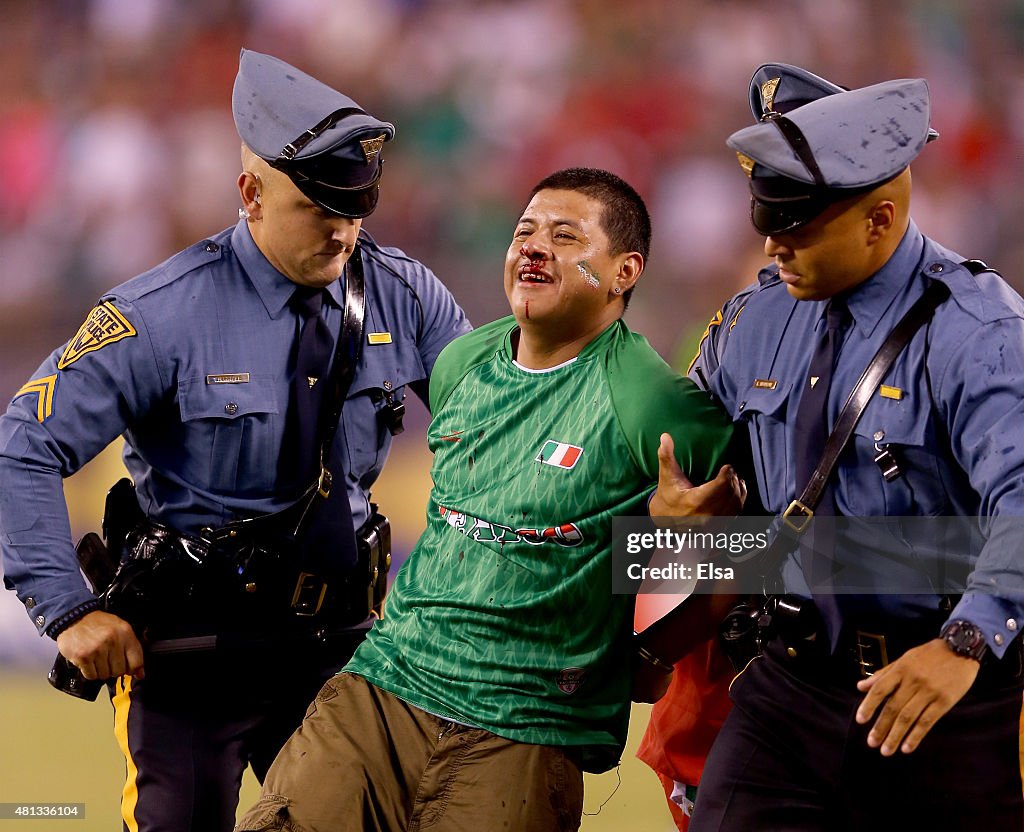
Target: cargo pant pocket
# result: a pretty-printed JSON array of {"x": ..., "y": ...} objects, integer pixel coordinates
[{"x": 270, "y": 814}]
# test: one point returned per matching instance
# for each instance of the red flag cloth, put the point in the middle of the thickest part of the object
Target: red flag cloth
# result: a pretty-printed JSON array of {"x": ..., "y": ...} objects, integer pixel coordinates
[{"x": 686, "y": 720}]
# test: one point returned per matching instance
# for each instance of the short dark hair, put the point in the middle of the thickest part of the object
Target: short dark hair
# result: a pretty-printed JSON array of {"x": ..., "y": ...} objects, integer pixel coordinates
[{"x": 624, "y": 219}]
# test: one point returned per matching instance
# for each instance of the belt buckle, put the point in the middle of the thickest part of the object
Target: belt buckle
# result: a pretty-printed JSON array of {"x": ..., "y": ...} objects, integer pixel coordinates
[
  {"x": 309, "y": 594},
  {"x": 804, "y": 516},
  {"x": 872, "y": 654}
]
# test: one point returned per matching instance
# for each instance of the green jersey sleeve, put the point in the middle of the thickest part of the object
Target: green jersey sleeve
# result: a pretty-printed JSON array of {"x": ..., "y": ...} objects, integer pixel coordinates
[
  {"x": 459, "y": 358},
  {"x": 650, "y": 399}
]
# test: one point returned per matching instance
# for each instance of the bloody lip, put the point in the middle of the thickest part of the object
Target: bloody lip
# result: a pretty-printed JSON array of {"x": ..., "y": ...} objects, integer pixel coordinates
[{"x": 534, "y": 270}]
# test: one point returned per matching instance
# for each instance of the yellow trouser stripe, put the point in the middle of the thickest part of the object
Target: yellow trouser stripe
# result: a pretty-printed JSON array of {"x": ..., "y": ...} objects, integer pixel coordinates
[{"x": 130, "y": 795}]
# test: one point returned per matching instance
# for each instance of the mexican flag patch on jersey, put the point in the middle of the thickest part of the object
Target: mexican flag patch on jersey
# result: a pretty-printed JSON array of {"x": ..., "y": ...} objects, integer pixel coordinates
[{"x": 559, "y": 454}]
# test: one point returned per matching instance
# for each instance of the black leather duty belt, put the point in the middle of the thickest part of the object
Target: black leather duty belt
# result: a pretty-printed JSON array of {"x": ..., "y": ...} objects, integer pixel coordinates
[{"x": 864, "y": 650}]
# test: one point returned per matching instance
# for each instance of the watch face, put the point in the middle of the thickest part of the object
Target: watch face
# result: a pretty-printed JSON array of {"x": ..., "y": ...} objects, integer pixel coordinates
[{"x": 965, "y": 639}]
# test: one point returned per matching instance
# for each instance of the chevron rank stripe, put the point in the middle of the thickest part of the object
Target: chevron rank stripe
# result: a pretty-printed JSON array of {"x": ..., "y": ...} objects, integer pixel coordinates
[
  {"x": 559, "y": 454},
  {"x": 45, "y": 388}
]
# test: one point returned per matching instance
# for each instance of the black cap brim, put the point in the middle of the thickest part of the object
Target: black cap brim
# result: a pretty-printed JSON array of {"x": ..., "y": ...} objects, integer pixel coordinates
[
  {"x": 353, "y": 203},
  {"x": 779, "y": 204},
  {"x": 773, "y": 218}
]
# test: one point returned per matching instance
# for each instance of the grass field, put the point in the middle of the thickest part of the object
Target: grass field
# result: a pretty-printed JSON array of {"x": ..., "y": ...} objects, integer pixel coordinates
[{"x": 59, "y": 749}]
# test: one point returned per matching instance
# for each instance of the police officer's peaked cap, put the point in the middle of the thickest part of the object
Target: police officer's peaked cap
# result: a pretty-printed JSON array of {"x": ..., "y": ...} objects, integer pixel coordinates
[
  {"x": 323, "y": 140},
  {"x": 824, "y": 151},
  {"x": 783, "y": 87}
]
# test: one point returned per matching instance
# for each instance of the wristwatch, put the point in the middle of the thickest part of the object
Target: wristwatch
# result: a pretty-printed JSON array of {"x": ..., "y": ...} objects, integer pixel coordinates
[{"x": 965, "y": 639}]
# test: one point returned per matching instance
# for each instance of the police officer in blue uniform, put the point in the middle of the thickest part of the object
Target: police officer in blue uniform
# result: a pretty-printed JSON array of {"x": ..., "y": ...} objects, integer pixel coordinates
[
  {"x": 193, "y": 363},
  {"x": 888, "y": 694}
]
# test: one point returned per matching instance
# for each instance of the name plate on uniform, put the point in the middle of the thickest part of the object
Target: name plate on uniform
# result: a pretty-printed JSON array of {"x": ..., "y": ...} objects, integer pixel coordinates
[
  {"x": 888, "y": 392},
  {"x": 378, "y": 337},
  {"x": 765, "y": 384},
  {"x": 228, "y": 378}
]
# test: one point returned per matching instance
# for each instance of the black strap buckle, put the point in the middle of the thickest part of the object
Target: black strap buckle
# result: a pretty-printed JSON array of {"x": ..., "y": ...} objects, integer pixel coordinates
[
  {"x": 872, "y": 652},
  {"x": 289, "y": 151},
  {"x": 324, "y": 483},
  {"x": 308, "y": 598}
]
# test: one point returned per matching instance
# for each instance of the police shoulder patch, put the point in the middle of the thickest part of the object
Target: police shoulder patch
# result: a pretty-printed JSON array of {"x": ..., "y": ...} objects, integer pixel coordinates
[{"x": 105, "y": 325}]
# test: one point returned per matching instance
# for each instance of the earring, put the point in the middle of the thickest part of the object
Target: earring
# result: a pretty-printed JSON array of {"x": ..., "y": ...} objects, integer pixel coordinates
[
  {"x": 243, "y": 214},
  {"x": 618, "y": 290}
]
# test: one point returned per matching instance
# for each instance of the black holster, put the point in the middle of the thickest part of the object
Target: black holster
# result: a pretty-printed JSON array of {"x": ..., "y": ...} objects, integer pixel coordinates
[
  {"x": 101, "y": 563},
  {"x": 271, "y": 571},
  {"x": 249, "y": 577},
  {"x": 749, "y": 625}
]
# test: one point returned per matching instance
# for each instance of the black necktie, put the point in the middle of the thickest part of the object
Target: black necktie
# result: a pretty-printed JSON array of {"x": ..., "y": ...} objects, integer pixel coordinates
[
  {"x": 811, "y": 429},
  {"x": 299, "y": 453},
  {"x": 812, "y": 414},
  {"x": 327, "y": 540}
]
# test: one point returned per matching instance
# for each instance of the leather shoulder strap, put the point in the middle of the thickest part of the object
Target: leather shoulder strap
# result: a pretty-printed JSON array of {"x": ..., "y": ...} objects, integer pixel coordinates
[
  {"x": 801, "y": 510},
  {"x": 346, "y": 353}
]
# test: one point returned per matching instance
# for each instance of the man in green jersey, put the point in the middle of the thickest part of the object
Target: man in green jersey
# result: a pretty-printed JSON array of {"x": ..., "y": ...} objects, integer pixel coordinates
[{"x": 501, "y": 670}]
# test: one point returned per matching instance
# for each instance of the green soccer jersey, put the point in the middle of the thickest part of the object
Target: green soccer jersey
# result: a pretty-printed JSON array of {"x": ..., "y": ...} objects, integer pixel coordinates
[{"x": 503, "y": 615}]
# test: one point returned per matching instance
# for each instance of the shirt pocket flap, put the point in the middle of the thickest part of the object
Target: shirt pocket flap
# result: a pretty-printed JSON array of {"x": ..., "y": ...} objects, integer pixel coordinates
[
  {"x": 893, "y": 422},
  {"x": 387, "y": 367},
  {"x": 767, "y": 398},
  {"x": 200, "y": 400}
]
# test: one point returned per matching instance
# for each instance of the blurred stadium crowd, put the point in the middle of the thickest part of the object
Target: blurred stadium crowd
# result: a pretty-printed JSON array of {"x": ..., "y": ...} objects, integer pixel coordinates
[{"x": 117, "y": 146}]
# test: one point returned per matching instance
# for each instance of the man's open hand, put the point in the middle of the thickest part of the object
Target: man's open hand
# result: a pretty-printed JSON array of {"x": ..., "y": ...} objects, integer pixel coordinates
[
  {"x": 918, "y": 689},
  {"x": 676, "y": 496}
]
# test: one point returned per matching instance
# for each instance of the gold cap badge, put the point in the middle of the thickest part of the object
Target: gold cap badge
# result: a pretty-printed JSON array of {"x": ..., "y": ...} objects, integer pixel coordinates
[
  {"x": 768, "y": 89},
  {"x": 746, "y": 163},
  {"x": 371, "y": 147}
]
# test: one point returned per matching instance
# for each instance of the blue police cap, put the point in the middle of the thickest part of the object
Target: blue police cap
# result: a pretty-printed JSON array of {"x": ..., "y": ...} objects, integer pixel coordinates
[
  {"x": 325, "y": 142},
  {"x": 783, "y": 87},
  {"x": 840, "y": 145}
]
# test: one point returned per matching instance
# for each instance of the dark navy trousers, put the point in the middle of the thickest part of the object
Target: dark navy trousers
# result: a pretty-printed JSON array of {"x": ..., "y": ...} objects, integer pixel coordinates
[
  {"x": 791, "y": 758},
  {"x": 192, "y": 726}
]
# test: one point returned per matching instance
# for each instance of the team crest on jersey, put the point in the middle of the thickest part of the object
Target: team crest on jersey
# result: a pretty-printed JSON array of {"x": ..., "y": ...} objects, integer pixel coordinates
[
  {"x": 570, "y": 679},
  {"x": 559, "y": 454},
  {"x": 105, "y": 325}
]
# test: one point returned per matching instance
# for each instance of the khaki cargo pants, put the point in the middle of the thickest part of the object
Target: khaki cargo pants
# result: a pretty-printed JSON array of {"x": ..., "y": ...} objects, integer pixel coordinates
[{"x": 365, "y": 760}]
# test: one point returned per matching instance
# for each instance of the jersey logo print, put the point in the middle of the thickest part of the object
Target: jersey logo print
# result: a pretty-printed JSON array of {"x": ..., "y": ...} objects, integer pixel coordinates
[
  {"x": 567, "y": 535},
  {"x": 559, "y": 454},
  {"x": 105, "y": 325},
  {"x": 45, "y": 388},
  {"x": 570, "y": 679}
]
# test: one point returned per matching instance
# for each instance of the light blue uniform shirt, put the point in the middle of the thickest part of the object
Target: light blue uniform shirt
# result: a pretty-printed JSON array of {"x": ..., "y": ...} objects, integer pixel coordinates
[
  {"x": 953, "y": 416},
  {"x": 189, "y": 362}
]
